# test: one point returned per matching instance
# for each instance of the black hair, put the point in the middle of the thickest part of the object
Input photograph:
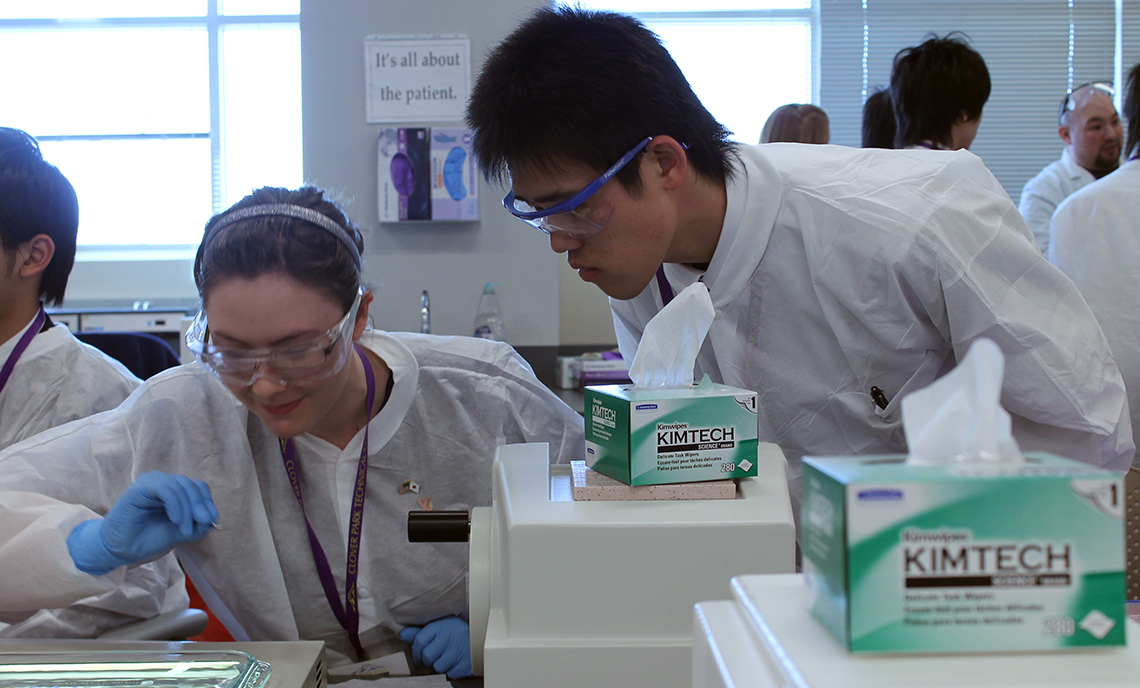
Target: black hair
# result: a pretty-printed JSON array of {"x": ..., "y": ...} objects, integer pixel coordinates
[
  {"x": 933, "y": 84},
  {"x": 35, "y": 198},
  {"x": 879, "y": 120},
  {"x": 571, "y": 85},
  {"x": 282, "y": 244},
  {"x": 1131, "y": 107}
]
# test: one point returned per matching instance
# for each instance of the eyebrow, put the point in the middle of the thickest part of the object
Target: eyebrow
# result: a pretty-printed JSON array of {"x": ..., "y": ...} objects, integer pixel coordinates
[{"x": 287, "y": 339}]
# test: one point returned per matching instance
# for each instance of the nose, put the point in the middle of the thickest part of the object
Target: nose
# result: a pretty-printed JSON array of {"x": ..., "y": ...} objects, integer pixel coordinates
[
  {"x": 561, "y": 242},
  {"x": 265, "y": 384}
]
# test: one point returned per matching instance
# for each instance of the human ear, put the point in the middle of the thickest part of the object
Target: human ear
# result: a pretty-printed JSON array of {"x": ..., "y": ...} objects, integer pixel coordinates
[
  {"x": 362, "y": 315},
  {"x": 35, "y": 254},
  {"x": 1065, "y": 134},
  {"x": 670, "y": 161}
]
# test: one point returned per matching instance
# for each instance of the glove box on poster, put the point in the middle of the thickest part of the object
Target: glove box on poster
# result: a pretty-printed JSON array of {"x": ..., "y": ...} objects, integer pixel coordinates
[{"x": 426, "y": 174}]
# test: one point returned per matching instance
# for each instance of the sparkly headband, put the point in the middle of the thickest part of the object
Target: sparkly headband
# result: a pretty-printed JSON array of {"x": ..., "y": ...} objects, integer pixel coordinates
[{"x": 286, "y": 210}]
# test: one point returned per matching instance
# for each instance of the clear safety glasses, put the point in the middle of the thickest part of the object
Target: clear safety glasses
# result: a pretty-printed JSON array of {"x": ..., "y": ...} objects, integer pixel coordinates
[
  {"x": 310, "y": 360},
  {"x": 569, "y": 216},
  {"x": 1069, "y": 104}
]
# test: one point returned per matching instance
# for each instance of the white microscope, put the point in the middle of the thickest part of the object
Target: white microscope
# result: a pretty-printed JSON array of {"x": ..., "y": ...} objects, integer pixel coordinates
[{"x": 567, "y": 593}]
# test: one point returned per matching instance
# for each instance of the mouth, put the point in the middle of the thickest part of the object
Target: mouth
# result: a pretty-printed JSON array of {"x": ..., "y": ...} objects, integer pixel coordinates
[
  {"x": 281, "y": 409},
  {"x": 584, "y": 273}
]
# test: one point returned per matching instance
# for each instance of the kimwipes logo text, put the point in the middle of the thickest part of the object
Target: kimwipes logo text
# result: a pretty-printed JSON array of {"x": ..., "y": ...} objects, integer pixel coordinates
[
  {"x": 949, "y": 558},
  {"x": 680, "y": 435}
]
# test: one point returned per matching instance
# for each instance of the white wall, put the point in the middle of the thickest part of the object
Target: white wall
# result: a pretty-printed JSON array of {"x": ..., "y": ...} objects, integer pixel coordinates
[{"x": 451, "y": 260}]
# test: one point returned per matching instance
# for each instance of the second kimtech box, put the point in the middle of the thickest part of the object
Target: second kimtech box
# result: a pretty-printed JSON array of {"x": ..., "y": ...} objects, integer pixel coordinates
[{"x": 662, "y": 436}]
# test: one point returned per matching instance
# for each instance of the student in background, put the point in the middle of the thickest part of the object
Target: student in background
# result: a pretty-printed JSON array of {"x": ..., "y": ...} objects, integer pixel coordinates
[
  {"x": 938, "y": 90},
  {"x": 834, "y": 271},
  {"x": 879, "y": 120},
  {"x": 1095, "y": 240},
  {"x": 797, "y": 123},
  {"x": 48, "y": 377},
  {"x": 1090, "y": 129}
]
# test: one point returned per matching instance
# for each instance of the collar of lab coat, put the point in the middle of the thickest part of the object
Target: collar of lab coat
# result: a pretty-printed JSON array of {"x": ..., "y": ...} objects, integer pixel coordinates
[
  {"x": 1074, "y": 170},
  {"x": 406, "y": 375},
  {"x": 754, "y": 192}
]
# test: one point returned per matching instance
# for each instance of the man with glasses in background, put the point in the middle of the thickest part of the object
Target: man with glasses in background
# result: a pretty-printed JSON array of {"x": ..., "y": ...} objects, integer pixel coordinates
[
  {"x": 1090, "y": 128},
  {"x": 843, "y": 279}
]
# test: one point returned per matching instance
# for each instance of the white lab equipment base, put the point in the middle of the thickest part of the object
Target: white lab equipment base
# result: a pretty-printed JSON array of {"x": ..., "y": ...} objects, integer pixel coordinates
[
  {"x": 570, "y": 594},
  {"x": 765, "y": 637}
]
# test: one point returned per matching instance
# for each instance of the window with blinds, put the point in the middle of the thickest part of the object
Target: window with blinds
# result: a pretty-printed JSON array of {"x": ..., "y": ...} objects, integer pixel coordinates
[
  {"x": 1027, "y": 48},
  {"x": 159, "y": 113}
]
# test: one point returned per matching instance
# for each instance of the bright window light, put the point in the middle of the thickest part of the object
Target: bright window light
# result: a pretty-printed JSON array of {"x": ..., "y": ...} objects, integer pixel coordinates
[
  {"x": 121, "y": 99},
  {"x": 716, "y": 42}
]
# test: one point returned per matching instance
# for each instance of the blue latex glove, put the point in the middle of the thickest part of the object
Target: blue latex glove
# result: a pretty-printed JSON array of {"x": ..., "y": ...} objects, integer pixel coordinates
[
  {"x": 445, "y": 644},
  {"x": 157, "y": 512}
]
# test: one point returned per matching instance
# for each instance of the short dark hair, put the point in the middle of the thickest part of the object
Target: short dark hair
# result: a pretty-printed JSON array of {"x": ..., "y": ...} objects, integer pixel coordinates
[
  {"x": 796, "y": 123},
  {"x": 577, "y": 86},
  {"x": 281, "y": 244},
  {"x": 932, "y": 84},
  {"x": 35, "y": 198},
  {"x": 879, "y": 120},
  {"x": 1131, "y": 107}
]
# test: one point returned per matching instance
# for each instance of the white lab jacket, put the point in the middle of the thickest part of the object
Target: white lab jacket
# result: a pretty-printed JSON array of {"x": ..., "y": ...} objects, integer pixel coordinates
[
  {"x": 59, "y": 379},
  {"x": 1095, "y": 240},
  {"x": 838, "y": 269},
  {"x": 453, "y": 401},
  {"x": 1043, "y": 193}
]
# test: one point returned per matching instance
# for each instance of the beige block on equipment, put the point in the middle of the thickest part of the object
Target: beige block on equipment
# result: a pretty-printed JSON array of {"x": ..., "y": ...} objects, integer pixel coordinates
[{"x": 589, "y": 485}]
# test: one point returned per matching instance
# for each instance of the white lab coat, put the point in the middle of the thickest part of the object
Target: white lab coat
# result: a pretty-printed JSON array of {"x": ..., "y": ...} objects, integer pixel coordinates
[
  {"x": 453, "y": 401},
  {"x": 59, "y": 379},
  {"x": 838, "y": 269},
  {"x": 1095, "y": 240},
  {"x": 1043, "y": 193}
]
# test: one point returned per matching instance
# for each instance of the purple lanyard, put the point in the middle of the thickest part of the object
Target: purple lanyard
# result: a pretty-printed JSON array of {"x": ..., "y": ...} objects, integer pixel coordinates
[
  {"x": 21, "y": 347},
  {"x": 348, "y": 614},
  {"x": 663, "y": 287},
  {"x": 1134, "y": 157}
]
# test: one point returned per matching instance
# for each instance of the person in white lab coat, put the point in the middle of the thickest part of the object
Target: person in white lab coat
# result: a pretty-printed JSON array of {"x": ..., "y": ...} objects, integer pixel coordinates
[
  {"x": 938, "y": 90},
  {"x": 1095, "y": 240},
  {"x": 305, "y": 435},
  {"x": 48, "y": 377},
  {"x": 1090, "y": 128},
  {"x": 843, "y": 279}
]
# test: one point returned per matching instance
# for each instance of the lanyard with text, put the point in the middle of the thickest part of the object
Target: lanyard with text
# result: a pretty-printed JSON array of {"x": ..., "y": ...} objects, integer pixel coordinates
[
  {"x": 21, "y": 346},
  {"x": 348, "y": 614},
  {"x": 663, "y": 287}
]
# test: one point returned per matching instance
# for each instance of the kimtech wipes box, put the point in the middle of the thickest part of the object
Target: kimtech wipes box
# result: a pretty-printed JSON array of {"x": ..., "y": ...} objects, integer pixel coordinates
[
  {"x": 964, "y": 557},
  {"x": 660, "y": 436}
]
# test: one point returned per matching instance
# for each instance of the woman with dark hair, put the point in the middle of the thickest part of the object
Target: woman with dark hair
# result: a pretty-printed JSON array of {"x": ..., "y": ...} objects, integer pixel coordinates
[{"x": 283, "y": 467}]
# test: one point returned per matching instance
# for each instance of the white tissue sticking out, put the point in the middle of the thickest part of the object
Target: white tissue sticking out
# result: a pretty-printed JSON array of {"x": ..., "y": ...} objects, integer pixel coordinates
[
  {"x": 668, "y": 350},
  {"x": 959, "y": 418}
]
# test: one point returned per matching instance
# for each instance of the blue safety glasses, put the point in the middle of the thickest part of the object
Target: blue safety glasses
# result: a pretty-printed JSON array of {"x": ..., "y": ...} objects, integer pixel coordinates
[{"x": 569, "y": 216}]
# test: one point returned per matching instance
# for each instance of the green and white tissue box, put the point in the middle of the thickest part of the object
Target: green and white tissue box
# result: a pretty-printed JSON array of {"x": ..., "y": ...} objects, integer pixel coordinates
[
  {"x": 662, "y": 436},
  {"x": 966, "y": 557}
]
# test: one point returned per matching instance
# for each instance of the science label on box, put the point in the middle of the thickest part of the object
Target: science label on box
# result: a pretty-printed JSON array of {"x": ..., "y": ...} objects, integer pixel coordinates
[
  {"x": 663, "y": 436},
  {"x": 426, "y": 174},
  {"x": 964, "y": 557}
]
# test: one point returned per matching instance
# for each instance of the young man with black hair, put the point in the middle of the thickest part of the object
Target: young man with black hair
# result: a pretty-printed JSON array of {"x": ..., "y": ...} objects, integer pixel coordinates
[
  {"x": 843, "y": 279},
  {"x": 48, "y": 377},
  {"x": 938, "y": 90}
]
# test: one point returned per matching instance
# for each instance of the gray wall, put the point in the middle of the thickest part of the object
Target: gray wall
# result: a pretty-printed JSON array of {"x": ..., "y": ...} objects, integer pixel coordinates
[{"x": 451, "y": 260}]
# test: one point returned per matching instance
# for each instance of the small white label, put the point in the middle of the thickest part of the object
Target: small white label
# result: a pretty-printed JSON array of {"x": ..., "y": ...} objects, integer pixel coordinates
[{"x": 1097, "y": 624}]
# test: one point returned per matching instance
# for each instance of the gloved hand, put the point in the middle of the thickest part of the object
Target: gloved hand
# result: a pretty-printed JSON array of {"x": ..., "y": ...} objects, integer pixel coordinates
[
  {"x": 157, "y": 512},
  {"x": 445, "y": 644}
]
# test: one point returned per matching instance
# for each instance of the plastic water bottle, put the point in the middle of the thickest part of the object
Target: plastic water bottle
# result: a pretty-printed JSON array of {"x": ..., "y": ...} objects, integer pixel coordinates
[{"x": 488, "y": 319}]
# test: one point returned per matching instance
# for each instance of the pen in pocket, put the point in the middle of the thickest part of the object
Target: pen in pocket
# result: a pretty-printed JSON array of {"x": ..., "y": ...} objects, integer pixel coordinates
[{"x": 879, "y": 398}]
